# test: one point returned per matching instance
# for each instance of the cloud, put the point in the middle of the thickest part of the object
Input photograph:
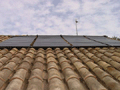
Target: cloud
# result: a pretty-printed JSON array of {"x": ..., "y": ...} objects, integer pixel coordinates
[
  {"x": 68, "y": 6},
  {"x": 50, "y": 17}
]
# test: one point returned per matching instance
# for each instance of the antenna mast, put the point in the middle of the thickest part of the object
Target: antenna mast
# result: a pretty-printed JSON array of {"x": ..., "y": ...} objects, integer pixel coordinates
[{"x": 76, "y": 27}]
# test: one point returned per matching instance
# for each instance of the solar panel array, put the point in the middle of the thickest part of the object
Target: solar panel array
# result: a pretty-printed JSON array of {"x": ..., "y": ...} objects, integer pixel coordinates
[{"x": 58, "y": 41}]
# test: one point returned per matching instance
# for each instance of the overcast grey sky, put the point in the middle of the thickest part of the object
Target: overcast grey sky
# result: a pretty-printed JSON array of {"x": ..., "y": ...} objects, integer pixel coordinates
[{"x": 51, "y": 17}]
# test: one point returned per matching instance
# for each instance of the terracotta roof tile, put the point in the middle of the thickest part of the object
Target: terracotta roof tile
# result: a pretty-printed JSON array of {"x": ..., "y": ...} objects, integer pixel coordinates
[
  {"x": 60, "y": 69},
  {"x": 3, "y": 38},
  {"x": 89, "y": 78},
  {"x": 103, "y": 75}
]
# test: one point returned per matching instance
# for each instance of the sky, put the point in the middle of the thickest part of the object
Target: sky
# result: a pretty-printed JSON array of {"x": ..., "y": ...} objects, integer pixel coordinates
[{"x": 57, "y": 17}]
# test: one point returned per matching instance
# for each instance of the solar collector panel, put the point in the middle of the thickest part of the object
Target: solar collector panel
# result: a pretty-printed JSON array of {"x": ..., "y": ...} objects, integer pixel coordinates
[
  {"x": 81, "y": 41},
  {"x": 18, "y": 41},
  {"x": 50, "y": 41},
  {"x": 76, "y": 39},
  {"x": 51, "y": 44},
  {"x": 82, "y": 44},
  {"x": 105, "y": 40}
]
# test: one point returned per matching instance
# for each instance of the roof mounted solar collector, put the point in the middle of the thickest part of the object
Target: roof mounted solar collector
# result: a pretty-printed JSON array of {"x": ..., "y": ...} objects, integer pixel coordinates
[
  {"x": 50, "y": 41},
  {"x": 59, "y": 41},
  {"x": 81, "y": 41},
  {"x": 24, "y": 41},
  {"x": 105, "y": 40}
]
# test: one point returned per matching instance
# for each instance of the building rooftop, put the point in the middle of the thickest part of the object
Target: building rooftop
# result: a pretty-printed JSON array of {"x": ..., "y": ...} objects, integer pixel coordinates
[{"x": 67, "y": 68}]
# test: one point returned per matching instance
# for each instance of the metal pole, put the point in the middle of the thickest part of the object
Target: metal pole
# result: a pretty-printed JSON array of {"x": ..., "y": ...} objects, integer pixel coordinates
[{"x": 76, "y": 28}]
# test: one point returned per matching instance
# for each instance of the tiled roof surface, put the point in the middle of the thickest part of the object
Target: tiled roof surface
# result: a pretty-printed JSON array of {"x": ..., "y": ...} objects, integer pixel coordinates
[{"x": 60, "y": 69}]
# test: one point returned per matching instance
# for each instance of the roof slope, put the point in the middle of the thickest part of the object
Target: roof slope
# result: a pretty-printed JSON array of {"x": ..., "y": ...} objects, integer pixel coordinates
[{"x": 60, "y": 69}]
